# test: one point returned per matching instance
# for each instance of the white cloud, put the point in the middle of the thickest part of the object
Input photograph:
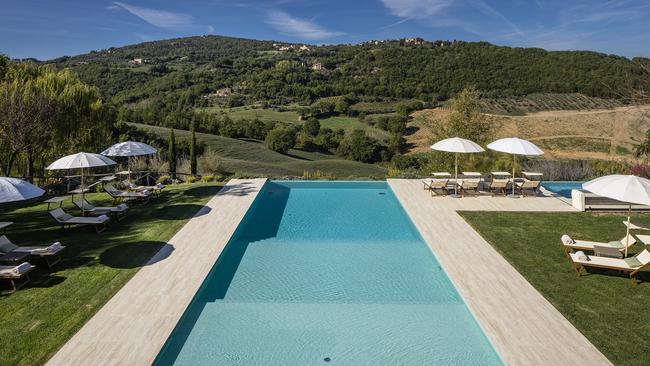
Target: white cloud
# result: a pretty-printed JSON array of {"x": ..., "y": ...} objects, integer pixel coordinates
[
  {"x": 416, "y": 9},
  {"x": 210, "y": 29},
  {"x": 306, "y": 29},
  {"x": 159, "y": 18}
]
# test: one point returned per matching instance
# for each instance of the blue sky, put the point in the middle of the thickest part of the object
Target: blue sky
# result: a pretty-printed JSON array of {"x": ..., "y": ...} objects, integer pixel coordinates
[{"x": 49, "y": 28}]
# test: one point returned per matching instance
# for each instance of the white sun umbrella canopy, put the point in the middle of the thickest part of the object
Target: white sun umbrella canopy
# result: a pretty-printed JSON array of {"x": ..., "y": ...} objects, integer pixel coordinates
[
  {"x": 14, "y": 189},
  {"x": 81, "y": 161},
  {"x": 625, "y": 188},
  {"x": 515, "y": 146},
  {"x": 457, "y": 145},
  {"x": 129, "y": 149}
]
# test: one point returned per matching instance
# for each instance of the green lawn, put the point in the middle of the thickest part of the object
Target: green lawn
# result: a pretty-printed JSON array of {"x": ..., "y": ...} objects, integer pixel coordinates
[
  {"x": 38, "y": 319},
  {"x": 604, "y": 306},
  {"x": 252, "y": 158}
]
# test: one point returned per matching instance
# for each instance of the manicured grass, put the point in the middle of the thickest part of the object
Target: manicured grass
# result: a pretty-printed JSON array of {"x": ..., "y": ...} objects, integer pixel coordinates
[
  {"x": 38, "y": 319},
  {"x": 252, "y": 158},
  {"x": 603, "y": 305}
]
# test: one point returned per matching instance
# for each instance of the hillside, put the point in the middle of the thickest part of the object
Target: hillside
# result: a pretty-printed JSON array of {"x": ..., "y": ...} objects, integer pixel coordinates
[
  {"x": 154, "y": 79},
  {"x": 252, "y": 158},
  {"x": 606, "y": 134}
]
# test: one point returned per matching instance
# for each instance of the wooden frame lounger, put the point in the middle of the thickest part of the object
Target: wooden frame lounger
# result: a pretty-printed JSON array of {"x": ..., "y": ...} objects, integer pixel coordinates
[
  {"x": 528, "y": 185},
  {"x": 14, "y": 274},
  {"x": 469, "y": 186},
  {"x": 118, "y": 211},
  {"x": 434, "y": 185},
  {"x": 632, "y": 266},
  {"x": 501, "y": 185},
  {"x": 64, "y": 219},
  {"x": 571, "y": 245},
  {"x": 49, "y": 254},
  {"x": 121, "y": 196}
]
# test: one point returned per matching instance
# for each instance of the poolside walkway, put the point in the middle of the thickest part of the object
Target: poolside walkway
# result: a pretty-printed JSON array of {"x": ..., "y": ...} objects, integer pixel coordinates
[
  {"x": 523, "y": 326},
  {"x": 131, "y": 328}
]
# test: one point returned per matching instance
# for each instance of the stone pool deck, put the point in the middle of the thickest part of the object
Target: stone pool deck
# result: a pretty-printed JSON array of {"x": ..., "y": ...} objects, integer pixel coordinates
[
  {"x": 523, "y": 326},
  {"x": 131, "y": 328}
]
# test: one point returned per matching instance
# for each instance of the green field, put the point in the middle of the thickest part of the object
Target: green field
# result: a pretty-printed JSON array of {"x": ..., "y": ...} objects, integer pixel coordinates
[
  {"x": 603, "y": 305},
  {"x": 291, "y": 116},
  {"x": 252, "y": 158},
  {"x": 39, "y": 318},
  {"x": 263, "y": 114}
]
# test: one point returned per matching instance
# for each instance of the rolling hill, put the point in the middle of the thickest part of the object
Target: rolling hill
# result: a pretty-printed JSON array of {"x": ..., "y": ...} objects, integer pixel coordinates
[{"x": 252, "y": 158}]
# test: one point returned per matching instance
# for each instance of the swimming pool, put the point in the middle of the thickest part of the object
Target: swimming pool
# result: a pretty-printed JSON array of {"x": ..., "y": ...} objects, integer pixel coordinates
[
  {"x": 324, "y": 273},
  {"x": 562, "y": 188}
]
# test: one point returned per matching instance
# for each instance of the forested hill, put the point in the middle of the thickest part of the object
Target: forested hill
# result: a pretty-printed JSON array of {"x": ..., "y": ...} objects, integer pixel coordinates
[{"x": 190, "y": 70}]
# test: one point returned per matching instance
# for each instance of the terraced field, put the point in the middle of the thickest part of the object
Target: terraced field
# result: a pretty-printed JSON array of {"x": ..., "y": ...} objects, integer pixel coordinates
[{"x": 252, "y": 158}]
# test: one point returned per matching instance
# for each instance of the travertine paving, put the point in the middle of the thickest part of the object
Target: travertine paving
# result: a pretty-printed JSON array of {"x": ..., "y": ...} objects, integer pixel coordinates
[
  {"x": 523, "y": 326},
  {"x": 133, "y": 326}
]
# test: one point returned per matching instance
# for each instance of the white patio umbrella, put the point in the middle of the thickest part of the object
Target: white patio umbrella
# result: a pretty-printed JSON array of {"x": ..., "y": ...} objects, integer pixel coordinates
[
  {"x": 625, "y": 188},
  {"x": 14, "y": 189},
  {"x": 129, "y": 149},
  {"x": 81, "y": 161},
  {"x": 457, "y": 145},
  {"x": 515, "y": 146}
]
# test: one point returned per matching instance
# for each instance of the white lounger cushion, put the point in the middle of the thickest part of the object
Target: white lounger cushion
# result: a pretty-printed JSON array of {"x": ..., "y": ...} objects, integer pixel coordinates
[
  {"x": 15, "y": 271},
  {"x": 643, "y": 257},
  {"x": 52, "y": 249},
  {"x": 585, "y": 244}
]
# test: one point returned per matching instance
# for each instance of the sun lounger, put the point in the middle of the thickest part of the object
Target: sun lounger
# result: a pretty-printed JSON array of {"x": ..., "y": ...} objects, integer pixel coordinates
[
  {"x": 17, "y": 275},
  {"x": 499, "y": 185},
  {"x": 117, "y": 211},
  {"x": 468, "y": 186},
  {"x": 49, "y": 254},
  {"x": 155, "y": 189},
  {"x": 571, "y": 245},
  {"x": 436, "y": 185},
  {"x": 121, "y": 196},
  {"x": 64, "y": 219},
  {"x": 632, "y": 266},
  {"x": 527, "y": 186}
]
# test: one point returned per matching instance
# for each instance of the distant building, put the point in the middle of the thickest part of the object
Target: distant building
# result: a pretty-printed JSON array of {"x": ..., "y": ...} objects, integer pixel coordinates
[
  {"x": 412, "y": 41},
  {"x": 223, "y": 92},
  {"x": 136, "y": 61},
  {"x": 317, "y": 66}
]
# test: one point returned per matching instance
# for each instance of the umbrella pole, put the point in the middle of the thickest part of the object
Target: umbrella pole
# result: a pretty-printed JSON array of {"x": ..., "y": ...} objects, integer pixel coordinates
[
  {"x": 627, "y": 236},
  {"x": 456, "y": 178},
  {"x": 83, "y": 213},
  {"x": 514, "y": 164}
]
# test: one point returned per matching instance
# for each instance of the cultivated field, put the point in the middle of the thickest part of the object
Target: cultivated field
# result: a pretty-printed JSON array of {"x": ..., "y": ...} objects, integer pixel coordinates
[{"x": 607, "y": 134}]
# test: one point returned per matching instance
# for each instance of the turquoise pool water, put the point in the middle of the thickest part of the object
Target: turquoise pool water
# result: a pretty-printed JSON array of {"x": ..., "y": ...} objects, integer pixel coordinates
[
  {"x": 327, "y": 273},
  {"x": 562, "y": 188}
]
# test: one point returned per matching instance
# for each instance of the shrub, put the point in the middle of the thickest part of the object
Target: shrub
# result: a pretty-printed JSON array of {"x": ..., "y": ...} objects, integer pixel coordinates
[
  {"x": 210, "y": 164},
  {"x": 207, "y": 178},
  {"x": 191, "y": 179},
  {"x": 164, "y": 179},
  {"x": 281, "y": 139}
]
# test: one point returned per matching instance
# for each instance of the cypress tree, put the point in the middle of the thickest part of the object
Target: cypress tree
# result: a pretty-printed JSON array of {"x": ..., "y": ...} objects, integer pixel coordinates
[
  {"x": 172, "y": 154},
  {"x": 193, "y": 149}
]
